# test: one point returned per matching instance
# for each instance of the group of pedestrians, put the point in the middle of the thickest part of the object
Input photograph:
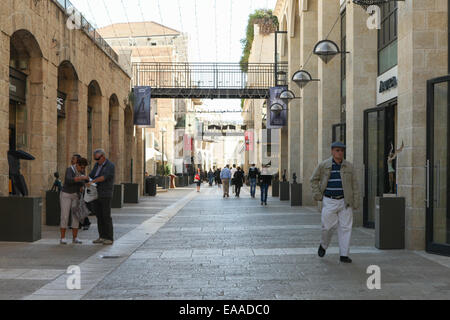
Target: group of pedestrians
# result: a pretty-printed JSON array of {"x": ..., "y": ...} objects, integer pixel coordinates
[
  {"x": 333, "y": 182},
  {"x": 235, "y": 178},
  {"x": 75, "y": 182}
]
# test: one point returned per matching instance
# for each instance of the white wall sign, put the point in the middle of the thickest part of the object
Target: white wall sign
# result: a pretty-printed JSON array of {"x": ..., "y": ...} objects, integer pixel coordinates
[{"x": 387, "y": 85}]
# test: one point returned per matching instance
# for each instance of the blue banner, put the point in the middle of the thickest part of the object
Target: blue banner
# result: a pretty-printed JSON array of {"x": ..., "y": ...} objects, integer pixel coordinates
[
  {"x": 276, "y": 119},
  {"x": 142, "y": 112}
]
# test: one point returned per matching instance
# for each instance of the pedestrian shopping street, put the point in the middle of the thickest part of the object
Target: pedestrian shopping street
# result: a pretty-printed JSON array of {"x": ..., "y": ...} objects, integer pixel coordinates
[{"x": 187, "y": 245}]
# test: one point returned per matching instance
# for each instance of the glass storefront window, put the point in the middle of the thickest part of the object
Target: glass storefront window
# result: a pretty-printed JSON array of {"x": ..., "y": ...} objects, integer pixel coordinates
[{"x": 387, "y": 58}]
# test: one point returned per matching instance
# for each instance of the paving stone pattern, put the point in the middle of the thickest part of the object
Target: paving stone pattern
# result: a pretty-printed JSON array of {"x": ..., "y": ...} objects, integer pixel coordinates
[{"x": 234, "y": 248}]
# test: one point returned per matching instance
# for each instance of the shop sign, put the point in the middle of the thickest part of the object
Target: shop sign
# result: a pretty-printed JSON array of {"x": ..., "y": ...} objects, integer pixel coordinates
[{"x": 387, "y": 86}]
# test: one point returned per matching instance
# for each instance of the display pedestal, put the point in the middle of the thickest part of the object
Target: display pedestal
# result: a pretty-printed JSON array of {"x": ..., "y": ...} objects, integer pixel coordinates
[
  {"x": 390, "y": 223},
  {"x": 284, "y": 191},
  {"x": 275, "y": 188},
  {"x": 130, "y": 193},
  {"x": 52, "y": 208},
  {"x": 296, "y": 194},
  {"x": 117, "y": 199},
  {"x": 20, "y": 219}
]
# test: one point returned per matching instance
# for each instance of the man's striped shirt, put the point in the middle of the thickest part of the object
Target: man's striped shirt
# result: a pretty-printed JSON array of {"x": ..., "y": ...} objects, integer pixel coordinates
[{"x": 334, "y": 186}]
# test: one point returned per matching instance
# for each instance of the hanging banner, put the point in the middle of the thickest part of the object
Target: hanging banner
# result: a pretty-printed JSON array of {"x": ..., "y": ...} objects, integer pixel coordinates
[
  {"x": 276, "y": 119},
  {"x": 249, "y": 140},
  {"x": 142, "y": 114}
]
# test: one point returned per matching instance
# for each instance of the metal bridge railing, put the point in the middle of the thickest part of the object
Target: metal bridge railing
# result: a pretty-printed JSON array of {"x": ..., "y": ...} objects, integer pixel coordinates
[{"x": 206, "y": 75}]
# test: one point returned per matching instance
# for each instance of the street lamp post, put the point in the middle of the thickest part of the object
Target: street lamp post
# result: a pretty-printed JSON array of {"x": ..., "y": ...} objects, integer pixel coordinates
[
  {"x": 163, "y": 130},
  {"x": 276, "y": 55}
]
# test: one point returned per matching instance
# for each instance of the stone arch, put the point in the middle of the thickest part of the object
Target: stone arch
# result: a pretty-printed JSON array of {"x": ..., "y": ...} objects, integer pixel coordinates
[
  {"x": 128, "y": 143},
  {"x": 26, "y": 101},
  {"x": 94, "y": 120},
  {"x": 114, "y": 128},
  {"x": 67, "y": 129}
]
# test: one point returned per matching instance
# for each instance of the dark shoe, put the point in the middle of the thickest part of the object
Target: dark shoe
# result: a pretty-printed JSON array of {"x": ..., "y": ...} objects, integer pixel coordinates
[
  {"x": 265, "y": 203},
  {"x": 321, "y": 251},
  {"x": 345, "y": 259},
  {"x": 262, "y": 203}
]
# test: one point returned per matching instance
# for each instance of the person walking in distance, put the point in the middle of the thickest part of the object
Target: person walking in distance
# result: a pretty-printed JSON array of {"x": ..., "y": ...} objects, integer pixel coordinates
[
  {"x": 198, "y": 179},
  {"x": 265, "y": 179},
  {"x": 218, "y": 180},
  {"x": 238, "y": 180},
  {"x": 253, "y": 175},
  {"x": 335, "y": 183},
  {"x": 103, "y": 175},
  {"x": 225, "y": 176},
  {"x": 210, "y": 177},
  {"x": 233, "y": 171}
]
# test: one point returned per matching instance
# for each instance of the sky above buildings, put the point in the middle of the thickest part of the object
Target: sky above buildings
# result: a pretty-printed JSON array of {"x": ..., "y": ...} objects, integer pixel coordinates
[{"x": 215, "y": 27}]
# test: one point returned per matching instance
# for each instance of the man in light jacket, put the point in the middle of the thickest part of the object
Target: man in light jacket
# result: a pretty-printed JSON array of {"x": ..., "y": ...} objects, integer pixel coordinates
[
  {"x": 335, "y": 183},
  {"x": 225, "y": 176}
]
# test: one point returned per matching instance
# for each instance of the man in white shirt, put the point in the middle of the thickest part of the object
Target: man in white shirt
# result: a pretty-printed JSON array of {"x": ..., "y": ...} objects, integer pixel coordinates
[{"x": 233, "y": 170}]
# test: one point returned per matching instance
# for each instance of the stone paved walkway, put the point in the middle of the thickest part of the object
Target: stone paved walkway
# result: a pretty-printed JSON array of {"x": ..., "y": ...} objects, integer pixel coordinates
[{"x": 201, "y": 246}]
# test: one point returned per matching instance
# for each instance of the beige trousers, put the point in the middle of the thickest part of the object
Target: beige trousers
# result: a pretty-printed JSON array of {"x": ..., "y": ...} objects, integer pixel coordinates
[
  {"x": 68, "y": 201},
  {"x": 226, "y": 186}
]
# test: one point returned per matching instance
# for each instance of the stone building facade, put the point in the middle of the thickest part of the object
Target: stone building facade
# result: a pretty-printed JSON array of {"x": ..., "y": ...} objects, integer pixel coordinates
[
  {"x": 45, "y": 59},
  {"x": 373, "y": 96},
  {"x": 263, "y": 47},
  {"x": 151, "y": 42}
]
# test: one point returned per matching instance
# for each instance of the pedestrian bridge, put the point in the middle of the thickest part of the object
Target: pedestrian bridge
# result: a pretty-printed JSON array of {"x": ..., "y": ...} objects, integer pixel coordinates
[{"x": 209, "y": 80}]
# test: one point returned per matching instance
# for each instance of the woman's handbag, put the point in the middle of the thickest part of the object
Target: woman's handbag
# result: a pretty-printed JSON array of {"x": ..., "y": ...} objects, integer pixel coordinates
[
  {"x": 81, "y": 211},
  {"x": 90, "y": 193}
]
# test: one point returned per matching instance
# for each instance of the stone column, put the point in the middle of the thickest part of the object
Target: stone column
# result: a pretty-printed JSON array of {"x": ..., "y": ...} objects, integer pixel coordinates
[
  {"x": 39, "y": 111},
  {"x": 4, "y": 113},
  {"x": 308, "y": 105},
  {"x": 423, "y": 48},
  {"x": 82, "y": 118},
  {"x": 294, "y": 125},
  {"x": 329, "y": 101},
  {"x": 361, "y": 88},
  {"x": 139, "y": 160}
]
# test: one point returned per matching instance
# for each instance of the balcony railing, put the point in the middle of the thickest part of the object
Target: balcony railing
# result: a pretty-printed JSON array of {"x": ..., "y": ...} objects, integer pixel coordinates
[
  {"x": 207, "y": 75},
  {"x": 68, "y": 9}
]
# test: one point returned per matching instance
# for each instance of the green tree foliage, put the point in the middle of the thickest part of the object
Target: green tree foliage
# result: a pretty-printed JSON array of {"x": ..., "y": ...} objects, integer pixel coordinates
[{"x": 267, "y": 22}]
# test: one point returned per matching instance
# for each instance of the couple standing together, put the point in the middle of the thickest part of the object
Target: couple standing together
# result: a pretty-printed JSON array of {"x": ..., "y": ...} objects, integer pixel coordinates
[
  {"x": 75, "y": 180},
  {"x": 234, "y": 175}
]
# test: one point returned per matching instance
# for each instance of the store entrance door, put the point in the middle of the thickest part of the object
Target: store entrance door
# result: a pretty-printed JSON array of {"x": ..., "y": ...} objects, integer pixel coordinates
[{"x": 438, "y": 166}]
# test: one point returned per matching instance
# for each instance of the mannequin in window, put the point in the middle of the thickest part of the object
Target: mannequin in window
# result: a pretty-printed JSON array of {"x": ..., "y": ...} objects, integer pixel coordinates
[{"x": 392, "y": 156}]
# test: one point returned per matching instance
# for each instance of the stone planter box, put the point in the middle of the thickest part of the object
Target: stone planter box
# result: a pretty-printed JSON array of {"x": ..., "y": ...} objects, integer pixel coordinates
[
  {"x": 296, "y": 194},
  {"x": 20, "y": 219},
  {"x": 284, "y": 191},
  {"x": 275, "y": 188},
  {"x": 130, "y": 192},
  {"x": 390, "y": 223},
  {"x": 118, "y": 194},
  {"x": 52, "y": 208}
]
